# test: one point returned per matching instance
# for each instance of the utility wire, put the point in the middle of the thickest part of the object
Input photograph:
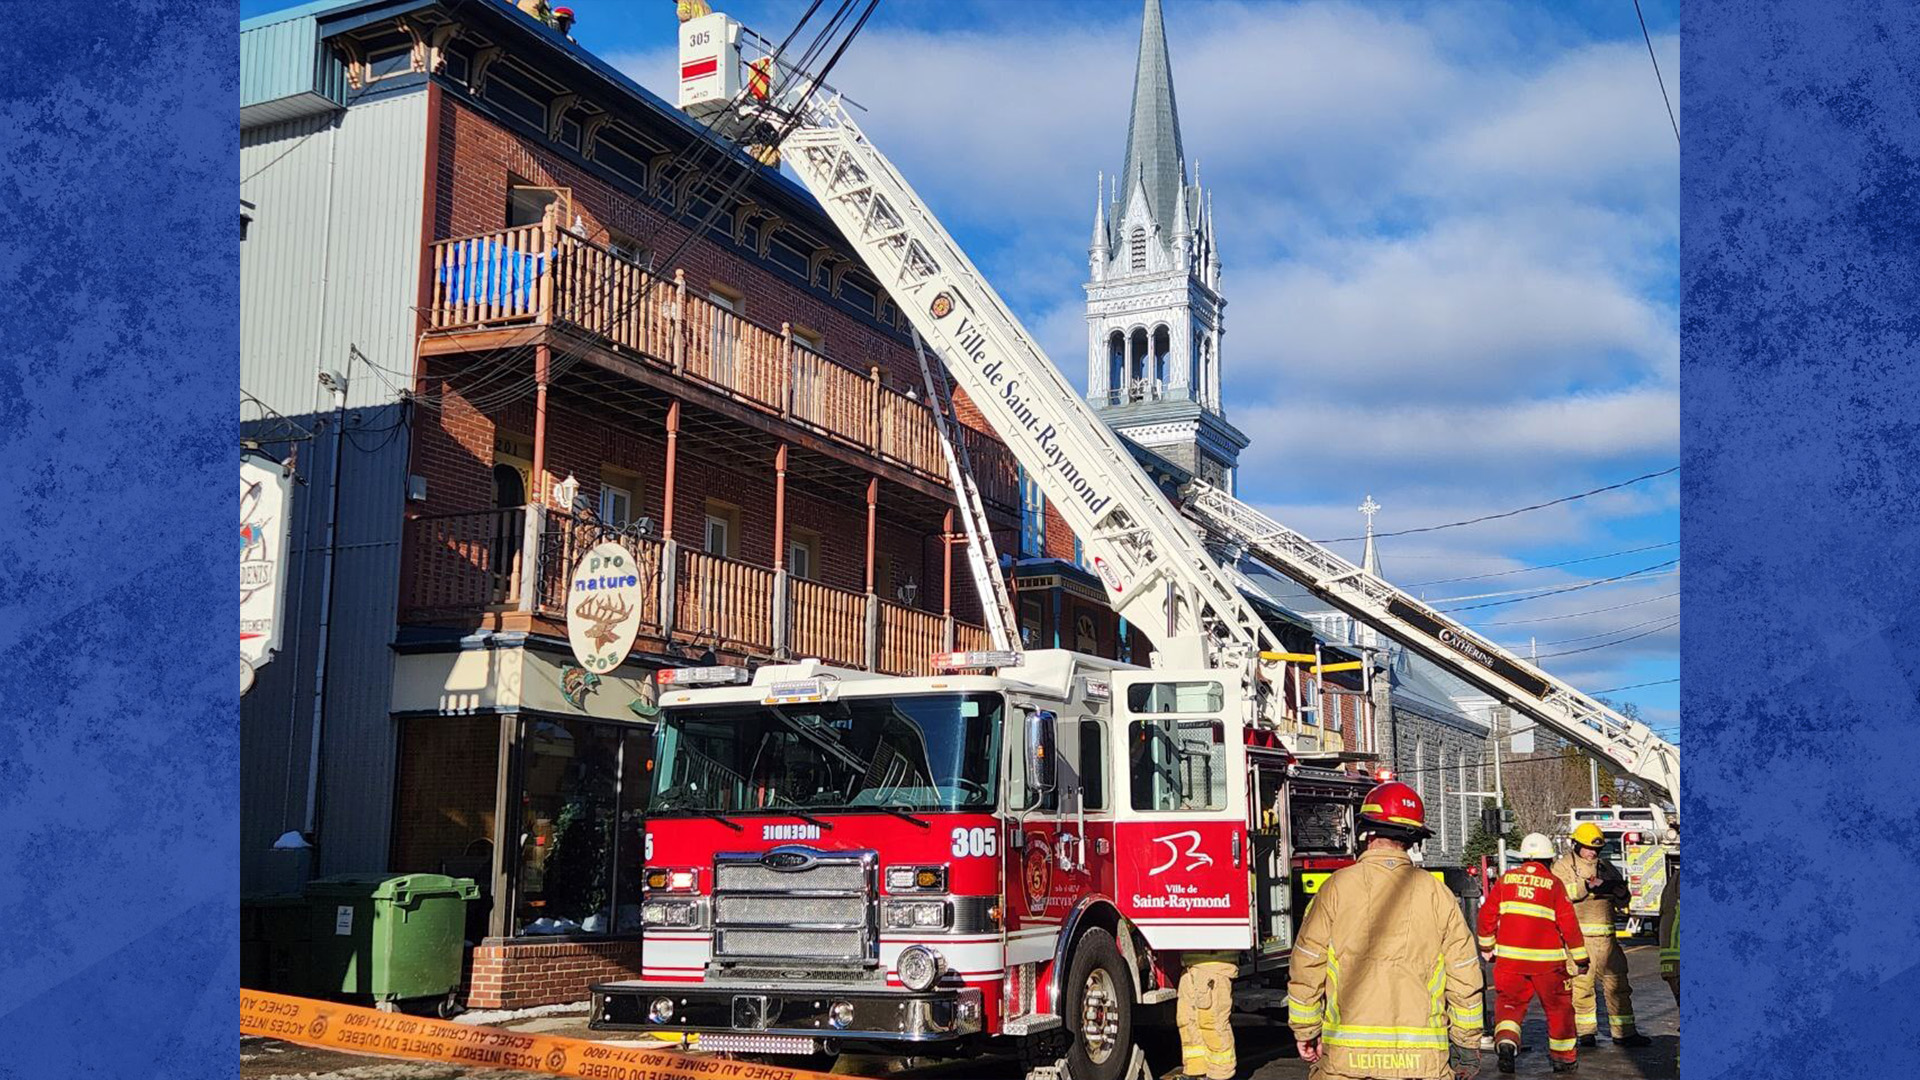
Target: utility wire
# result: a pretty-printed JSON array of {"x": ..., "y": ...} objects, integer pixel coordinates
[
  {"x": 1656, "y": 71},
  {"x": 1542, "y": 566},
  {"x": 1580, "y": 614},
  {"x": 1634, "y": 686},
  {"x": 1645, "y": 570},
  {"x": 1506, "y": 513},
  {"x": 1670, "y": 624},
  {"x": 1585, "y": 637},
  {"x": 1536, "y": 589}
]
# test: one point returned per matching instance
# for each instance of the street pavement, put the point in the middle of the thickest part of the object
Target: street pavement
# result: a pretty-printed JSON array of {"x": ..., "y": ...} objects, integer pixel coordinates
[{"x": 1265, "y": 1047}]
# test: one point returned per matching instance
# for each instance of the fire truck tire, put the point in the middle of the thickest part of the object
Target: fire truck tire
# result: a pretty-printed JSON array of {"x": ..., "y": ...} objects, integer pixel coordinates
[{"x": 1098, "y": 1009}]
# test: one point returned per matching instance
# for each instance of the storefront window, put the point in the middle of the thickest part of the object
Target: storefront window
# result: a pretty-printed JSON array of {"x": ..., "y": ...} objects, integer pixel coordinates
[{"x": 582, "y": 797}]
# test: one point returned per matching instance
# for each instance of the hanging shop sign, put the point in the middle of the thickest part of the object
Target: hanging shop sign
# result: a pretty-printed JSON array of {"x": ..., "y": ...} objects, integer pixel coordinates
[
  {"x": 603, "y": 607},
  {"x": 266, "y": 489}
]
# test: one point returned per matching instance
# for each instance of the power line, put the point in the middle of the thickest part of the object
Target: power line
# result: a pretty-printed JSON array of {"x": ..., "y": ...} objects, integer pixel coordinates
[
  {"x": 1538, "y": 588},
  {"x": 1581, "y": 614},
  {"x": 1565, "y": 589},
  {"x": 1507, "y": 513},
  {"x": 1587, "y": 637},
  {"x": 1542, "y": 566},
  {"x": 1656, "y": 71},
  {"x": 1675, "y": 621},
  {"x": 1634, "y": 686}
]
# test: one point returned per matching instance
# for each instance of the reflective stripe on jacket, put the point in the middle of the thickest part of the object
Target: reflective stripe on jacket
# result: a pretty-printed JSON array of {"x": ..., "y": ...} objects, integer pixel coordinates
[
  {"x": 1384, "y": 971},
  {"x": 1526, "y": 919},
  {"x": 1670, "y": 927}
]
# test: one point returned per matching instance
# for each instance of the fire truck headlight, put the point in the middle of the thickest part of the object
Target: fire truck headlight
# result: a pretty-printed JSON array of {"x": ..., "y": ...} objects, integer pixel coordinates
[
  {"x": 921, "y": 914},
  {"x": 920, "y": 967},
  {"x": 670, "y": 913},
  {"x": 906, "y": 879}
]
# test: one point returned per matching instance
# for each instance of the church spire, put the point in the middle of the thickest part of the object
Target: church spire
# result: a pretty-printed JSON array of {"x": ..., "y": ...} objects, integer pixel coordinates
[
  {"x": 1154, "y": 159},
  {"x": 1370, "y": 560}
]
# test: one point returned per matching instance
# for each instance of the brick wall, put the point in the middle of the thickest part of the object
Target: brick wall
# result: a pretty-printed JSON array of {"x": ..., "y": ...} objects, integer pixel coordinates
[
  {"x": 479, "y": 159},
  {"x": 518, "y": 975}
]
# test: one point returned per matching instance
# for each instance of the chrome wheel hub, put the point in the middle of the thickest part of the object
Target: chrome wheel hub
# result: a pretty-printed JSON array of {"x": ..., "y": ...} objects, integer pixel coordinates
[{"x": 1099, "y": 1016}]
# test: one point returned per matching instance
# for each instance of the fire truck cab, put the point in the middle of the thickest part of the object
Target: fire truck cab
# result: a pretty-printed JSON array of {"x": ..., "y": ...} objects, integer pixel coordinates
[{"x": 1021, "y": 848}]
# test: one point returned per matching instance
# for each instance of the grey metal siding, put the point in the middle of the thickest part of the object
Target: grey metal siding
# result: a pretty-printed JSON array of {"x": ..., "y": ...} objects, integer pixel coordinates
[
  {"x": 285, "y": 59},
  {"x": 331, "y": 261},
  {"x": 343, "y": 237}
]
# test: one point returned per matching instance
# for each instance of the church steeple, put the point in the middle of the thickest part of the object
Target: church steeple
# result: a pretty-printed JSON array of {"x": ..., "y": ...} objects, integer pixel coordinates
[
  {"x": 1155, "y": 164},
  {"x": 1155, "y": 315}
]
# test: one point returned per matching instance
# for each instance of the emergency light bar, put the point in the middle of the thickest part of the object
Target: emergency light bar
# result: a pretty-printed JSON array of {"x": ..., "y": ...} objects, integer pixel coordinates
[
  {"x": 977, "y": 658},
  {"x": 722, "y": 675},
  {"x": 795, "y": 691}
]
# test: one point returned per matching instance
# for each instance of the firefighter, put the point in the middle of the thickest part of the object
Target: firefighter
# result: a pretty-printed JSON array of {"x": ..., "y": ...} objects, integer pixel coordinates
[
  {"x": 1670, "y": 930},
  {"x": 1384, "y": 980},
  {"x": 1596, "y": 889},
  {"x": 1529, "y": 931},
  {"x": 1204, "y": 1012}
]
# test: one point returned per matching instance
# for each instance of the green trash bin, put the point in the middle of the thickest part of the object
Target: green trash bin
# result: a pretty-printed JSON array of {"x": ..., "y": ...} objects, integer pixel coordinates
[{"x": 388, "y": 938}]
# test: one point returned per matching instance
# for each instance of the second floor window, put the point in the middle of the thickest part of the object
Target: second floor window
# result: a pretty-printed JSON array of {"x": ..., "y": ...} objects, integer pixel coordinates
[
  {"x": 616, "y": 505},
  {"x": 1033, "y": 518}
]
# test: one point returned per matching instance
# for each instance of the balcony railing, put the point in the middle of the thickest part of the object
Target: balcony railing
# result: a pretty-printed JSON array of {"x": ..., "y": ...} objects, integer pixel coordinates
[
  {"x": 464, "y": 569},
  {"x": 513, "y": 276}
]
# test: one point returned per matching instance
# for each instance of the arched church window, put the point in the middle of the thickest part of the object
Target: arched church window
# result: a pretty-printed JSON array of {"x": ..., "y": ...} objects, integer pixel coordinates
[
  {"x": 1137, "y": 249},
  {"x": 1116, "y": 367}
]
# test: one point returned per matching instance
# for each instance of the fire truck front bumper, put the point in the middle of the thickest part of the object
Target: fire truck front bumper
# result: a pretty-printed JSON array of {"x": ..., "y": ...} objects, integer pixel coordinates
[{"x": 761, "y": 1018}]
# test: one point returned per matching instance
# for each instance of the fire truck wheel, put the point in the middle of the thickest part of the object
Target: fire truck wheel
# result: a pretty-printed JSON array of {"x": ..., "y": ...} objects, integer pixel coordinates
[{"x": 1098, "y": 1009}]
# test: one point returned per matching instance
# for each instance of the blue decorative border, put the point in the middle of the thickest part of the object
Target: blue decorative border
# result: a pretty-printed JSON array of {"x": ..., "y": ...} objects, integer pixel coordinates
[
  {"x": 118, "y": 396},
  {"x": 1801, "y": 487}
]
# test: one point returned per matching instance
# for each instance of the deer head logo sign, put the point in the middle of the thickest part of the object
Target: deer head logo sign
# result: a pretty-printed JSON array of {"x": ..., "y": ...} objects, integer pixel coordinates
[{"x": 604, "y": 607}]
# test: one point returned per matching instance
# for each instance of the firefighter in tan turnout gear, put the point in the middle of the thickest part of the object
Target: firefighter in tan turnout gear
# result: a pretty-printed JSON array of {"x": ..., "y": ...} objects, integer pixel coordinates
[
  {"x": 1204, "y": 1012},
  {"x": 1385, "y": 981},
  {"x": 1597, "y": 890}
]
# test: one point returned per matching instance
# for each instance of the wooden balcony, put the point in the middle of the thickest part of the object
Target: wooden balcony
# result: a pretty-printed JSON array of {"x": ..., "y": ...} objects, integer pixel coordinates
[
  {"x": 508, "y": 570},
  {"x": 516, "y": 287}
]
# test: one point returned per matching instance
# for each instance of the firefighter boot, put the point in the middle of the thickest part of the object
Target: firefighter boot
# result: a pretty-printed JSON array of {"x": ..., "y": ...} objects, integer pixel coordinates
[
  {"x": 1506, "y": 1057},
  {"x": 1565, "y": 1066},
  {"x": 1636, "y": 1040},
  {"x": 1588, "y": 1040}
]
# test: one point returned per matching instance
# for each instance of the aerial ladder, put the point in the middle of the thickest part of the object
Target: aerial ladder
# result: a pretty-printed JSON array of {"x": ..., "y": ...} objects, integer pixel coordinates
[{"x": 1152, "y": 560}]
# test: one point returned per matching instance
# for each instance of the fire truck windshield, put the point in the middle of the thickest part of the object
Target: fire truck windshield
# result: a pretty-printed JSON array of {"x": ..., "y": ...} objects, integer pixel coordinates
[{"x": 924, "y": 752}]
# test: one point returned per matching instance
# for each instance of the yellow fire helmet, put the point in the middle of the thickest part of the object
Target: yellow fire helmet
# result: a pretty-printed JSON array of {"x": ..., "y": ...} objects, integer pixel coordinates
[{"x": 1588, "y": 835}]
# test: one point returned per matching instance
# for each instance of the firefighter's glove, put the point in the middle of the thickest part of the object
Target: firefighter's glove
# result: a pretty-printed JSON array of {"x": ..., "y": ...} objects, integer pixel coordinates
[{"x": 1464, "y": 1061}]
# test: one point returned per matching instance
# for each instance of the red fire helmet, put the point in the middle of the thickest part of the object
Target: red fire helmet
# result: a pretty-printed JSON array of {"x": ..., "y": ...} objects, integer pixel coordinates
[{"x": 1394, "y": 803}]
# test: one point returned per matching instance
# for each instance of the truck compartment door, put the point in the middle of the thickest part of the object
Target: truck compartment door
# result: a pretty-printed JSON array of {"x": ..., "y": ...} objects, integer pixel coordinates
[{"x": 1182, "y": 858}]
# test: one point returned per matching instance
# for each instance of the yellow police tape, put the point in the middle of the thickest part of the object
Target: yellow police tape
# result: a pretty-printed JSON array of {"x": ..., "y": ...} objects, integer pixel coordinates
[{"x": 369, "y": 1031}]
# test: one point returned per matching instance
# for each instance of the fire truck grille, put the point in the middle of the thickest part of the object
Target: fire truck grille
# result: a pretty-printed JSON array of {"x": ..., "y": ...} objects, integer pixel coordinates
[{"x": 794, "y": 903}]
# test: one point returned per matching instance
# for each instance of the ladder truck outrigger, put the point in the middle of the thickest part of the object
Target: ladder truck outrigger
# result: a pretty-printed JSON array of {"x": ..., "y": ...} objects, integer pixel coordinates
[{"x": 1023, "y": 845}]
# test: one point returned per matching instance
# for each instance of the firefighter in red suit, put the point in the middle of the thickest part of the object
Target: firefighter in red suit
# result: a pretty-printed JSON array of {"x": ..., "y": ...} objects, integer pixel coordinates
[{"x": 1529, "y": 931}]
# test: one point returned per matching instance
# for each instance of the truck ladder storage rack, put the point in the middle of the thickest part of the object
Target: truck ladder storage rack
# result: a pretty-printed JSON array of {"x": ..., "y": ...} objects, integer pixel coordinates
[{"x": 1629, "y": 745}]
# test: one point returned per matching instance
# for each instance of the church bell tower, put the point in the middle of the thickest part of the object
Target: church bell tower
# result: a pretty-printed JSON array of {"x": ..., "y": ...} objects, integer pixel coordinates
[{"x": 1154, "y": 309}]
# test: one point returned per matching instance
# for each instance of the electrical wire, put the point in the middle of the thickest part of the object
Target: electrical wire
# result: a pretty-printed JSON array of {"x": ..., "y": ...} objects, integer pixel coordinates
[
  {"x": 1580, "y": 614},
  {"x": 1670, "y": 624},
  {"x": 1538, "y": 588},
  {"x": 1507, "y": 513},
  {"x": 1633, "y": 686},
  {"x": 1671, "y": 119},
  {"x": 1542, "y": 566},
  {"x": 1521, "y": 649},
  {"x": 1629, "y": 575}
]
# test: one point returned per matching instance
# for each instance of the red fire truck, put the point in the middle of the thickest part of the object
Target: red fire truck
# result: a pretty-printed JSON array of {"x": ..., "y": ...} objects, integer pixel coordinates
[
  {"x": 1024, "y": 845},
  {"x": 836, "y": 858}
]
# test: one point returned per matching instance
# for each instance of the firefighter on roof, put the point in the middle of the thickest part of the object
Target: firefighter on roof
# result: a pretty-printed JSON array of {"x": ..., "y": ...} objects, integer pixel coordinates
[
  {"x": 1529, "y": 931},
  {"x": 1384, "y": 981},
  {"x": 1596, "y": 890}
]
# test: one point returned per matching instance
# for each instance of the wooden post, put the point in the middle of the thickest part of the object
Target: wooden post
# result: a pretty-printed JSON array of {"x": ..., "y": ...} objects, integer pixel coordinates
[
  {"x": 786, "y": 370},
  {"x": 873, "y": 509},
  {"x": 542, "y": 366},
  {"x": 946, "y": 568},
  {"x": 547, "y": 230},
  {"x": 780, "y": 508},
  {"x": 673, "y": 458},
  {"x": 679, "y": 322},
  {"x": 873, "y": 415}
]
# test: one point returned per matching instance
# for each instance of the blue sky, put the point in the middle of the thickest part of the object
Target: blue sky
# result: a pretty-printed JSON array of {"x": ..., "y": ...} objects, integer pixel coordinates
[{"x": 1449, "y": 234}]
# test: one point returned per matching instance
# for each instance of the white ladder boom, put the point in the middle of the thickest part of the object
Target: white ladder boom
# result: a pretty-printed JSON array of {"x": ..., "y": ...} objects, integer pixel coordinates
[
  {"x": 1157, "y": 573},
  {"x": 1629, "y": 745}
]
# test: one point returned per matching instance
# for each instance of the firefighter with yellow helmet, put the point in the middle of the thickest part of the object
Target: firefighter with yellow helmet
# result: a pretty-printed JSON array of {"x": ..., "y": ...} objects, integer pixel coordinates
[
  {"x": 1385, "y": 981},
  {"x": 1597, "y": 890}
]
